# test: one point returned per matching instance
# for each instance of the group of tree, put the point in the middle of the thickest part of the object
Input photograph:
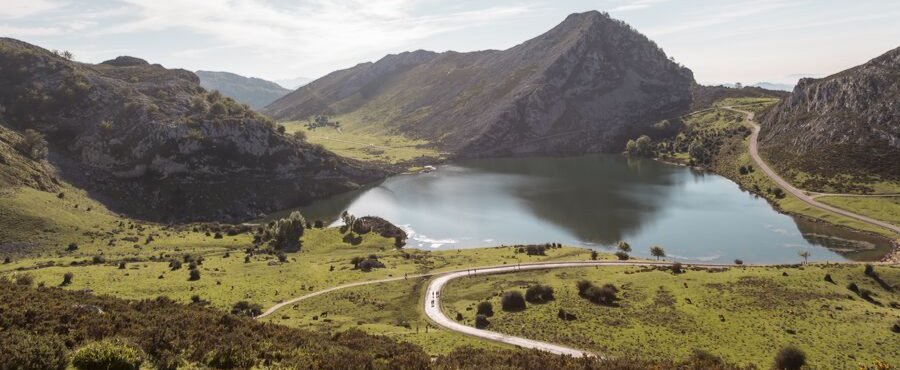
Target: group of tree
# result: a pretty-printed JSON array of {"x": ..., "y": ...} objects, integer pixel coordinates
[
  {"x": 366, "y": 264},
  {"x": 33, "y": 145},
  {"x": 321, "y": 121},
  {"x": 640, "y": 147},
  {"x": 539, "y": 293},
  {"x": 284, "y": 234}
]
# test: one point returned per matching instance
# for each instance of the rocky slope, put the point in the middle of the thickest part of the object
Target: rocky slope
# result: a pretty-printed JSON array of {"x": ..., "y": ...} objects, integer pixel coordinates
[
  {"x": 844, "y": 124},
  {"x": 151, "y": 142},
  {"x": 255, "y": 92},
  {"x": 587, "y": 85}
]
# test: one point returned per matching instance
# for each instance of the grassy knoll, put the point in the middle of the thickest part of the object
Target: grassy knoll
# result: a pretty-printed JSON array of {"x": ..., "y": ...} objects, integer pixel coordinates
[
  {"x": 755, "y": 105},
  {"x": 741, "y": 314},
  {"x": 366, "y": 145},
  {"x": 323, "y": 262},
  {"x": 882, "y": 208}
]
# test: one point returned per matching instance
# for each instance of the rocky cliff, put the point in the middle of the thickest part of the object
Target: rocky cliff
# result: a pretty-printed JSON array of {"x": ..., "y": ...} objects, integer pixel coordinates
[
  {"x": 150, "y": 142},
  {"x": 844, "y": 124},
  {"x": 587, "y": 85}
]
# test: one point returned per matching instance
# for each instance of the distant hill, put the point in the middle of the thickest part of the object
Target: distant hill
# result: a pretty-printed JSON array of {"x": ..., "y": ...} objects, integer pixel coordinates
[
  {"x": 587, "y": 85},
  {"x": 705, "y": 96},
  {"x": 255, "y": 92},
  {"x": 151, "y": 142},
  {"x": 846, "y": 123},
  {"x": 294, "y": 83},
  {"x": 774, "y": 86}
]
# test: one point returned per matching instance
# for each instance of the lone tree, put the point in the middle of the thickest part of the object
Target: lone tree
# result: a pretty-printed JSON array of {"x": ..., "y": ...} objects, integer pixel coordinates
[
  {"x": 67, "y": 278},
  {"x": 284, "y": 234},
  {"x": 790, "y": 358},
  {"x": 512, "y": 301},
  {"x": 624, "y": 246},
  {"x": 657, "y": 251},
  {"x": 805, "y": 254},
  {"x": 485, "y": 308}
]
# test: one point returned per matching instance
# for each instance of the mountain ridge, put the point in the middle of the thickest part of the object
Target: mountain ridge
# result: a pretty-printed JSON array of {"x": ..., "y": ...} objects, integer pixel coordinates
[
  {"x": 255, "y": 92},
  {"x": 589, "y": 74}
]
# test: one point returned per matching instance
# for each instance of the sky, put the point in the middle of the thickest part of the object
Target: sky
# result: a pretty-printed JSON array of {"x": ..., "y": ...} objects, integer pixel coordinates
[{"x": 722, "y": 41}]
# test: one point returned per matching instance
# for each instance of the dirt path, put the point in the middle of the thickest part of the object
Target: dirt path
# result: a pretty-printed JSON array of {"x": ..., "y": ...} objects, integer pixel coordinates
[{"x": 800, "y": 194}]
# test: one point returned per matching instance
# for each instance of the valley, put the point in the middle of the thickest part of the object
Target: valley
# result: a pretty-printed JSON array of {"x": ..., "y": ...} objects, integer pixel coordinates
[{"x": 573, "y": 201}]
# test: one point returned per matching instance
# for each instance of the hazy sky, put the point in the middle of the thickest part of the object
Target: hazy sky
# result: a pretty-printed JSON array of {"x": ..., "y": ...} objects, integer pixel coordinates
[{"x": 720, "y": 40}]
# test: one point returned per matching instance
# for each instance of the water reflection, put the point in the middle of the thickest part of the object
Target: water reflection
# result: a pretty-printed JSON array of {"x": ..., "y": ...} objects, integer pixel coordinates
[{"x": 595, "y": 201}]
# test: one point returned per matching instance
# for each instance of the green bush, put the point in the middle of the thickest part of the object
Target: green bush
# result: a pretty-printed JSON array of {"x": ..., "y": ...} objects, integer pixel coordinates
[
  {"x": 20, "y": 350},
  {"x": 539, "y": 293},
  {"x": 512, "y": 301},
  {"x": 790, "y": 358},
  {"x": 107, "y": 355},
  {"x": 485, "y": 308}
]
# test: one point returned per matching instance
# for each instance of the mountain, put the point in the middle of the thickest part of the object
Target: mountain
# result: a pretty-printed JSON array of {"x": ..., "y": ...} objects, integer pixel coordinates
[
  {"x": 587, "y": 85},
  {"x": 774, "y": 86},
  {"x": 294, "y": 83},
  {"x": 151, "y": 142},
  {"x": 846, "y": 123},
  {"x": 255, "y": 92}
]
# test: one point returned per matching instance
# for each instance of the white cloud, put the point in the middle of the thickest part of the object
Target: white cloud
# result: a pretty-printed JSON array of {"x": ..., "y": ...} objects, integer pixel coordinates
[
  {"x": 629, "y": 5},
  {"x": 25, "y": 8},
  {"x": 309, "y": 33}
]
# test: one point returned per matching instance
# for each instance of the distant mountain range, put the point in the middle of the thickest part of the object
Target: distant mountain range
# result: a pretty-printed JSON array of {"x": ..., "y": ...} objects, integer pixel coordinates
[
  {"x": 153, "y": 143},
  {"x": 765, "y": 85},
  {"x": 846, "y": 123},
  {"x": 255, "y": 92},
  {"x": 294, "y": 83},
  {"x": 587, "y": 85}
]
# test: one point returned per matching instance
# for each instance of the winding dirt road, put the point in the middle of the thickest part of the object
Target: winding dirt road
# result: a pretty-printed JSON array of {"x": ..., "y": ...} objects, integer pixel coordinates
[
  {"x": 800, "y": 194},
  {"x": 433, "y": 309}
]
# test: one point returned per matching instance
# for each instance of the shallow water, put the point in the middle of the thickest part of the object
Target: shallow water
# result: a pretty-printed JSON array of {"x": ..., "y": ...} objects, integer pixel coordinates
[{"x": 595, "y": 201}]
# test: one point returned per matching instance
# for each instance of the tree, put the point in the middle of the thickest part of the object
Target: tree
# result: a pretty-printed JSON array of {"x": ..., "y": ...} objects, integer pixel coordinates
[
  {"x": 657, "y": 251},
  {"x": 790, "y": 358},
  {"x": 244, "y": 308},
  {"x": 642, "y": 147},
  {"x": 194, "y": 275},
  {"x": 622, "y": 256},
  {"x": 33, "y": 145},
  {"x": 583, "y": 286},
  {"x": 512, "y": 301},
  {"x": 594, "y": 255},
  {"x": 67, "y": 278},
  {"x": 481, "y": 321},
  {"x": 539, "y": 293},
  {"x": 485, "y": 308},
  {"x": 285, "y": 233},
  {"x": 805, "y": 254},
  {"x": 624, "y": 246}
]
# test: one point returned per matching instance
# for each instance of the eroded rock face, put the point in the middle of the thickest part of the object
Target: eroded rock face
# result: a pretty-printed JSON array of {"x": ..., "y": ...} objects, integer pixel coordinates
[
  {"x": 587, "y": 85},
  {"x": 847, "y": 123},
  {"x": 157, "y": 145}
]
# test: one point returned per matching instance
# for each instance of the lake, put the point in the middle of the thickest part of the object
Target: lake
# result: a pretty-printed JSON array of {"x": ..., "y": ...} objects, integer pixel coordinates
[{"x": 593, "y": 202}]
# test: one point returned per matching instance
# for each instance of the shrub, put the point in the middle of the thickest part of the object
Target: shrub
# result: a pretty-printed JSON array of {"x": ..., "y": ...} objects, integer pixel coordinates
[
  {"x": 594, "y": 255},
  {"x": 622, "y": 256},
  {"x": 828, "y": 278},
  {"x": 790, "y": 358},
  {"x": 21, "y": 350},
  {"x": 512, "y": 301},
  {"x": 539, "y": 293},
  {"x": 459, "y": 316},
  {"x": 605, "y": 294},
  {"x": 870, "y": 270},
  {"x": 194, "y": 275},
  {"x": 285, "y": 233},
  {"x": 896, "y": 327},
  {"x": 485, "y": 308},
  {"x": 98, "y": 259},
  {"x": 107, "y": 355},
  {"x": 33, "y": 145},
  {"x": 853, "y": 288},
  {"x": 174, "y": 265},
  {"x": 281, "y": 257},
  {"x": 676, "y": 268},
  {"x": 583, "y": 286},
  {"x": 481, "y": 321},
  {"x": 7, "y": 260},
  {"x": 244, "y": 308},
  {"x": 72, "y": 247},
  {"x": 67, "y": 278},
  {"x": 564, "y": 315},
  {"x": 122, "y": 265},
  {"x": 738, "y": 262},
  {"x": 24, "y": 280}
]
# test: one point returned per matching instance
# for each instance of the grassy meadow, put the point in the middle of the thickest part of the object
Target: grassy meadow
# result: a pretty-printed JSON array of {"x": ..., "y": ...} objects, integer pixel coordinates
[{"x": 743, "y": 315}]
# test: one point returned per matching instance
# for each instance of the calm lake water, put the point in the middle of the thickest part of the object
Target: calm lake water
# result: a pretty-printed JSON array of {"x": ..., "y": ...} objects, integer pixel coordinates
[{"x": 595, "y": 201}]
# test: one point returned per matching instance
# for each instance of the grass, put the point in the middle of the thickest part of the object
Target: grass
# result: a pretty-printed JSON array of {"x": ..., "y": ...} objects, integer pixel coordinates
[
  {"x": 755, "y": 105},
  {"x": 881, "y": 208},
  {"x": 366, "y": 145},
  {"x": 742, "y": 314}
]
